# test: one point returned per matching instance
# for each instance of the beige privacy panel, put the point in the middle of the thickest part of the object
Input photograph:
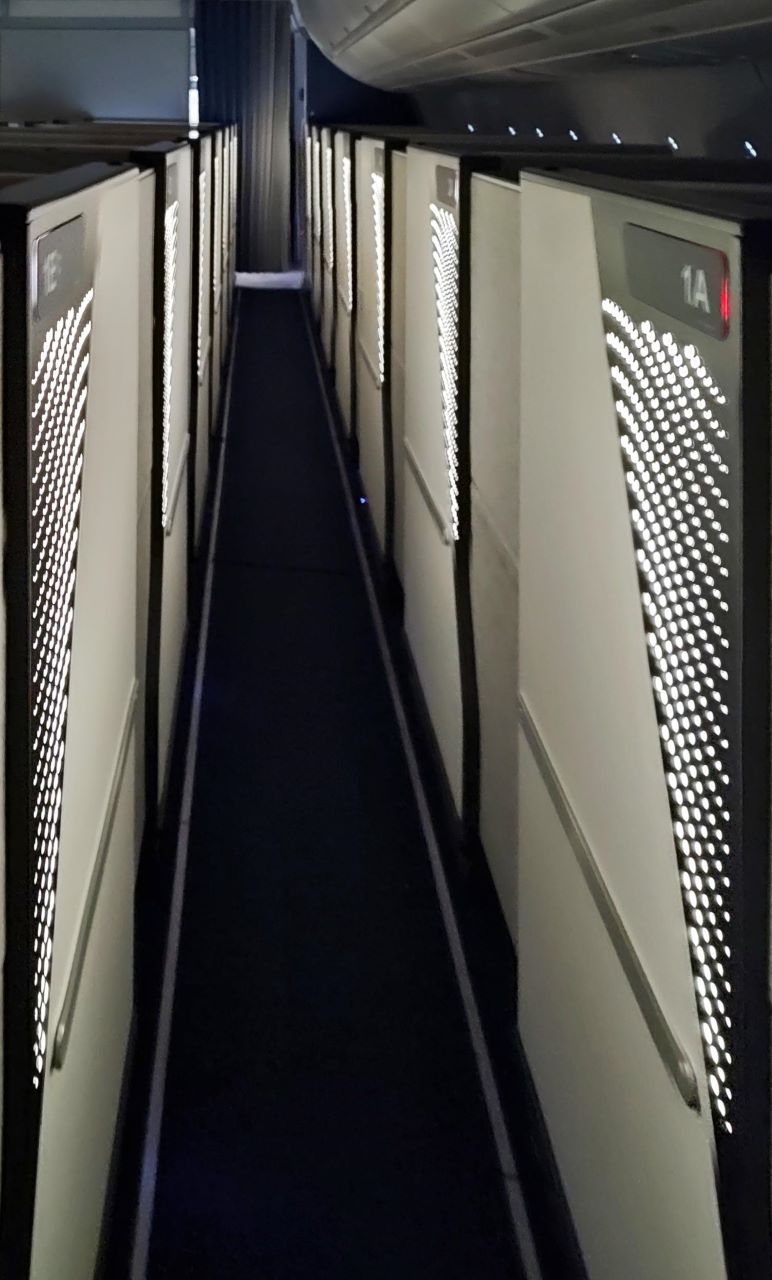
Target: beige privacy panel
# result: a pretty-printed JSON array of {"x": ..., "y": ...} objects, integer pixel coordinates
[
  {"x": 607, "y": 1012},
  {"x": 203, "y": 193},
  {"x": 397, "y": 286},
  {"x": 372, "y": 283},
  {"x": 344, "y": 160},
  {"x": 177, "y": 321},
  {"x": 328, "y": 241},
  {"x": 431, "y": 476},
  {"x": 80, "y": 384},
  {"x": 494, "y": 430}
]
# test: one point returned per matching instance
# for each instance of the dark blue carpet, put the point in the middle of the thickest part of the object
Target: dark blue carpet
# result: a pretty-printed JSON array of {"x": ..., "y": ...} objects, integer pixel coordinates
[{"x": 323, "y": 1115}]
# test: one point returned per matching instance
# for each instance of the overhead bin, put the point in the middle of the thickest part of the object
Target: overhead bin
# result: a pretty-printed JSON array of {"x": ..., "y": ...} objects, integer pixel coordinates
[
  {"x": 643, "y": 777},
  {"x": 70, "y": 319},
  {"x": 402, "y": 44}
]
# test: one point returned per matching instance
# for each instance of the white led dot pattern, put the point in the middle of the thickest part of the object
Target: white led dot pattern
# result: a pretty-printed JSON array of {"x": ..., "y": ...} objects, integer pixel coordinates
[
  {"x": 378, "y": 185},
  {"x": 349, "y": 232},
  {"x": 445, "y": 253},
  {"x": 171, "y": 224},
  {"x": 201, "y": 271},
  {"x": 59, "y": 389},
  {"x": 317, "y": 177},
  {"x": 669, "y": 411},
  {"x": 329, "y": 202}
]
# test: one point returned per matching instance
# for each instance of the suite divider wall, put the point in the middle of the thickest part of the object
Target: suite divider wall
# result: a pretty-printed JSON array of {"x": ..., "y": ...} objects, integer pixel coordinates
[
  {"x": 70, "y": 245},
  {"x": 643, "y": 782},
  {"x": 164, "y": 379}
]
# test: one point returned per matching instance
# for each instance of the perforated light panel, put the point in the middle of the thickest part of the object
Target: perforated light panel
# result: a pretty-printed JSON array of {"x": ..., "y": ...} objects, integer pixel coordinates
[
  {"x": 669, "y": 411},
  {"x": 349, "y": 231},
  {"x": 58, "y": 395},
  {"x": 171, "y": 225},
  {"x": 201, "y": 270},
  {"x": 379, "y": 232},
  {"x": 445, "y": 252},
  {"x": 329, "y": 211}
]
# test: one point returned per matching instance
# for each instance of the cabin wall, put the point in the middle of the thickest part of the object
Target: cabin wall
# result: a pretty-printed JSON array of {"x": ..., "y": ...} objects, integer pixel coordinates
[{"x": 123, "y": 58}]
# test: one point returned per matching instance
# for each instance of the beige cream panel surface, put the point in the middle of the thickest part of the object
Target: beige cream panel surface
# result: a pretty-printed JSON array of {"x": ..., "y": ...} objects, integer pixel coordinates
[
  {"x": 370, "y": 436},
  {"x": 341, "y": 356},
  {"x": 636, "y": 1162},
  {"x": 80, "y": 1101},
  {"x": 583, "y": 661},
  {"x": 495, "y": 351},
  {"x": 367, "y": 292},
  {"x": 203, "y": 406},
  {"x": 174, "y": 581},
  {"x": 423, "y": 393},
  {"x": 494, "y": 430},
  {"x": 430, "y": 625},
  {"x": 428, "y": 575},
  {"x": 144, "y": 466},
  {"x": 369, "y": 394},
  {"x": 397, "y": 285},
  {"x": 494, "y": 613}
]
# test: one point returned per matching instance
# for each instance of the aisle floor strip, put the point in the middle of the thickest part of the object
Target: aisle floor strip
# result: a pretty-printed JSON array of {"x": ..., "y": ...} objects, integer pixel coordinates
[
  {"x": 512, "y": 1185},
  {"x": 144, "y": 1222}
]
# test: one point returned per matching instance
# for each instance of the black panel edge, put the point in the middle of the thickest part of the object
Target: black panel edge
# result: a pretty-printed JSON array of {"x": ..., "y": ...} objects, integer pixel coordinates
[
  {"x": 153, "y": 668},
  {"x": 470, "y": 701},
  {"x": 744, "y": 1155},
  {"x": 31, "y": 193},
  {"x": 21, "y": 1102}
]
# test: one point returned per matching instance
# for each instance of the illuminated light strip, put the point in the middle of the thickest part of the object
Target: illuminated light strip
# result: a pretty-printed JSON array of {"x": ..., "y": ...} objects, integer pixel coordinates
[
  {"x": 201, "y": 268},
  {"x": 171, "y": 223},
  {"x": 217, "y": 213},
  {"x": 379, "y": 230},
  {"x": 671, "y": 439},
  {"x": 349, "y": 232},
  {"x": 445, "y": 252},
  {"x": 56, "y": 464},
  {"x": 329, "y": 200},
  {"x": 317, "y": 178}
]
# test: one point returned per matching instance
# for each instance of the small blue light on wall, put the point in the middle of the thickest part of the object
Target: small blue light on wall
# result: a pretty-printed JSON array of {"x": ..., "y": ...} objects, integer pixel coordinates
[
  {"x": 470, "y": 127},
  {"x": 749, "y": 147},
  {"x": 512, "y": 130},
  {"x": 539, "y": 133},
  {"x": 672, "y": 142},
  {"x": 616, "y": 138},
  {"x": 363, "y": 502},
  {"x": 573, "y": 135}
]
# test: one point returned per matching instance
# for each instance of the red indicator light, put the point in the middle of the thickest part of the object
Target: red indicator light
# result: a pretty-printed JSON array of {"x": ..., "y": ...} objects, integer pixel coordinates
[{"x": 725, "y": 299}]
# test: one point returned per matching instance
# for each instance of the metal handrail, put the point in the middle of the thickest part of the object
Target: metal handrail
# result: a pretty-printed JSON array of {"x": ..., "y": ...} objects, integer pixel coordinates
[
  {"x": 674, "y": 1057},
  {"x": 64, "y": 1025}
]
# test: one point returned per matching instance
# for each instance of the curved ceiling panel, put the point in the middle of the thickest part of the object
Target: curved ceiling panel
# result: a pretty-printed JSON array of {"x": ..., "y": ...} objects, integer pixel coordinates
[{"x": 399, "y": 44}]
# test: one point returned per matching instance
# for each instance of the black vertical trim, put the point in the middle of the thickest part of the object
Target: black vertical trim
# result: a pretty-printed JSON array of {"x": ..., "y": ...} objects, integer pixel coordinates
[
  {"x": 352, "y": 339},
  {"x": 744, "y": 1155},
  {"x": 470, "y": 804},
  {"x": 155, "y": 593},
  {"x": 21, "y": 1101}
]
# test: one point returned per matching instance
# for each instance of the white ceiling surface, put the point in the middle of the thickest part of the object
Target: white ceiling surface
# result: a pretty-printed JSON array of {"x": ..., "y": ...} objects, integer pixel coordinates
[{"x": 411, "y": 43}]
